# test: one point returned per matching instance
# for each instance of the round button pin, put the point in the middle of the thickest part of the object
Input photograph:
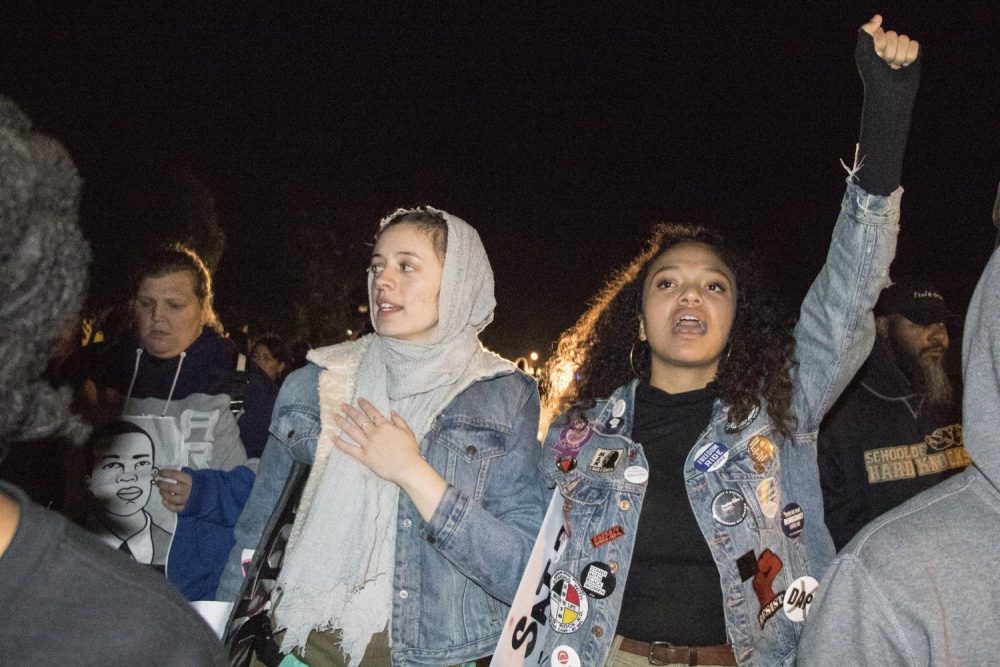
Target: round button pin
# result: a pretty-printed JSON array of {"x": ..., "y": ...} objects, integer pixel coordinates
[
  {"x": 636, "y": 474},
  {"x": 598, "y": 580},
  {"x": 792, "y": 520},
  {"x": 567, "y": 603},
  {"x": 624, "y": 505},
  {"x": 798, "y": 598},
  {"x": 564, "y": 656},
  {"x": 618, "y": 409},
  {"x": 729, "y": 507},
  {"x": 735, "y": 427},
  {"x": 761, "y": 449}
]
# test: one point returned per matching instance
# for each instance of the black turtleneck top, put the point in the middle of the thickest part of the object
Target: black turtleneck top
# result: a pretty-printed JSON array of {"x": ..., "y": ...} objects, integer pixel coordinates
[{"x": 673, "y": 592}]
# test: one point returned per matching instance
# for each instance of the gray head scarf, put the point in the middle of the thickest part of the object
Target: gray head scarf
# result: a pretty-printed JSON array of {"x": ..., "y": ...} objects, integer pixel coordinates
[
  {"x": 339, "y": 566},
  {"x": 43, "y": 276},
  {"x": 466, "y": 306}
]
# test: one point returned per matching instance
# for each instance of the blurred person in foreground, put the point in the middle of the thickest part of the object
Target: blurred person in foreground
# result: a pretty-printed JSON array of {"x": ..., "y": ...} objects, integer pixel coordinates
[
  {"x": 917, "y": 586},
  {"x": 66, "y": 599}
]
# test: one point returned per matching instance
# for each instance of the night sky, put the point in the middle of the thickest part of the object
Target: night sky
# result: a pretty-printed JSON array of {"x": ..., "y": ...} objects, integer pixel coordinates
[{"x": 561, "y": 131}]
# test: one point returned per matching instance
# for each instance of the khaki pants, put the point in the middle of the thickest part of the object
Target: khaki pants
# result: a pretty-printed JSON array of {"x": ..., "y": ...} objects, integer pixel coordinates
[{"x": 324, "y": 650}]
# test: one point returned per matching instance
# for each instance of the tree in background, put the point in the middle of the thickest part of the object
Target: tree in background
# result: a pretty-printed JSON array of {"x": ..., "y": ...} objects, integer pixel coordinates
[
  {"x": 304, "y": 283},
  {"x": 144, "y": 208}
]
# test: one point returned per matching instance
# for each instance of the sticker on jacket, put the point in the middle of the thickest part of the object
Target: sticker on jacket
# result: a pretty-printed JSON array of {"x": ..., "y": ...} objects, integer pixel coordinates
[
  {"x": 761, "y": 451},
  {"x": 711, "y": 457},
  {"x": 605, "y": 536},
  {"x": 598, "y": 580},
  {"x": 729, "y": 507},
  {"x": 605, "y": 460},
  {"x": 733, "y": 426},
  {"x": 768, "y": 567},
  {"x": 793, "y": 520}
]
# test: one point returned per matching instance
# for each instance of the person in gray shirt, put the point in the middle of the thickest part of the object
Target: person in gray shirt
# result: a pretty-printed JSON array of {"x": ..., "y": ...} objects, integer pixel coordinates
[{"x": 66, "y": 598}]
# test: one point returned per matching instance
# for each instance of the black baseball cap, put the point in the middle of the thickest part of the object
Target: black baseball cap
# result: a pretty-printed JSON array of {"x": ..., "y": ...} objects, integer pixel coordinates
[{"x": 916, "y": 300}]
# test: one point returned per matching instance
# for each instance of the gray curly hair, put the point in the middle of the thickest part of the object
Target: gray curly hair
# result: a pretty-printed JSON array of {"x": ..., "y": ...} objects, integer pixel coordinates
[{"x": 43, "y": 276}]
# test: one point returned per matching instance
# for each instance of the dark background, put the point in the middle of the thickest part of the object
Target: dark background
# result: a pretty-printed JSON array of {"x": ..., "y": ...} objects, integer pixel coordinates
[{"x": 561, "y": 131}]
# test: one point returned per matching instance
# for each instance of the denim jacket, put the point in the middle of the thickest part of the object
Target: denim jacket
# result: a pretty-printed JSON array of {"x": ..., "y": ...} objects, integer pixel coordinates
[
  {"x": 456, "y": 575},
  {"x": 761, "y": 514}
]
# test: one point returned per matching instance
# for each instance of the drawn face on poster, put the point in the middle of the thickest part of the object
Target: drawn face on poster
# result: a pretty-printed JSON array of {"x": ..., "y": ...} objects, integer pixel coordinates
[
  {"x": 126, "y": 515},
  {"x": 121, "y": 478}
]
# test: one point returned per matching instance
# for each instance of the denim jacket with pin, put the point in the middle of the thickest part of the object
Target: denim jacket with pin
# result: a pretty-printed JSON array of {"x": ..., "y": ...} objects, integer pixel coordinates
[
  {"x": 761, "y": 515},
  {"x": 455, "y": 575}
]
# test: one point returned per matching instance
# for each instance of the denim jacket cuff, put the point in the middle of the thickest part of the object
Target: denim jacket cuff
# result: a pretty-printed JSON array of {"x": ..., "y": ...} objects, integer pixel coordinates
[
  {"x": 875, "y": 208},
  {"x": 446, "y": 517}
]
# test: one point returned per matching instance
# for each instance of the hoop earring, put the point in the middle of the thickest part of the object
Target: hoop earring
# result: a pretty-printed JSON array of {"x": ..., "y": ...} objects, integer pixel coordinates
[{"x": 631, "y": 352}]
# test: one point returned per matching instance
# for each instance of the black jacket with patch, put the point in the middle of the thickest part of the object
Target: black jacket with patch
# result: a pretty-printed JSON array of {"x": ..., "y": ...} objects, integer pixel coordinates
[{"x": 881, "y": 444}]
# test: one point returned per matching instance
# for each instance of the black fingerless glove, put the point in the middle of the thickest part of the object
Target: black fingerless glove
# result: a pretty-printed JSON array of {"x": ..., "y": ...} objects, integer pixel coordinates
[{"x": 885, "y": 117}]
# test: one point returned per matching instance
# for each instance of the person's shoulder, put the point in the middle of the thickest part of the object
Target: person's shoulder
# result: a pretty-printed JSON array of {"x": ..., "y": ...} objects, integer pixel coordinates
[
  {"x": 946, "y": 510},
  {"x": 495, "y": 401},
  {"x": 511, "y": 380},
  {"x": 341, "y": 356},
  {"x": 300, "y": 385},
  {"x": 105, "y": 590}
]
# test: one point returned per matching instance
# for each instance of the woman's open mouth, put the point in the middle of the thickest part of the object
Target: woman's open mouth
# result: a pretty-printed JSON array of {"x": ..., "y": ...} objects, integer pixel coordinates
[{"x": 689, "y": 324}]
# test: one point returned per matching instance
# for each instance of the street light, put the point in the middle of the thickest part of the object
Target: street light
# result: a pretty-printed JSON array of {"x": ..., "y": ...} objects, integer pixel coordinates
[{"x": 528, "y": 364}]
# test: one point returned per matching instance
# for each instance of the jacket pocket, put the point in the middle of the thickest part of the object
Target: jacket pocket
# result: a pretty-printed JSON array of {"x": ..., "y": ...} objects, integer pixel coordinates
[{"x": 464, "y": 454}]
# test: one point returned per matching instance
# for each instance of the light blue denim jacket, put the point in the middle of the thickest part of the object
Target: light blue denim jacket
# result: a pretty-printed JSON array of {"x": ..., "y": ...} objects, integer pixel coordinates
[
  {"x": 456, "y": 575},
  {"x": 833, "y": 337}
]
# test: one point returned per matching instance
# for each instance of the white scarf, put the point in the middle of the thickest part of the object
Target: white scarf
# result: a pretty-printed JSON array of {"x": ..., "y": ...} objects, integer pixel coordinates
[{"x": 338, "y": 571}]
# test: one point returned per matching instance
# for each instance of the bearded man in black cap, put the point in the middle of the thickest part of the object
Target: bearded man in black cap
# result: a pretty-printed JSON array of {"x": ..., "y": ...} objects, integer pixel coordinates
[{"x": 897, "y": 428}]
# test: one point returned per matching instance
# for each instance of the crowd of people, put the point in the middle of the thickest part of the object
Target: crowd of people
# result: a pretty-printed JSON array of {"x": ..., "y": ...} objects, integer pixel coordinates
[{"x": 731, "y": 485}]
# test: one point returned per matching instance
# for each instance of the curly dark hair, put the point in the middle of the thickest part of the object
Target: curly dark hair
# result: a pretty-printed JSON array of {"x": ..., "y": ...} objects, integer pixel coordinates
[{"x": 603, "y": 347}]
